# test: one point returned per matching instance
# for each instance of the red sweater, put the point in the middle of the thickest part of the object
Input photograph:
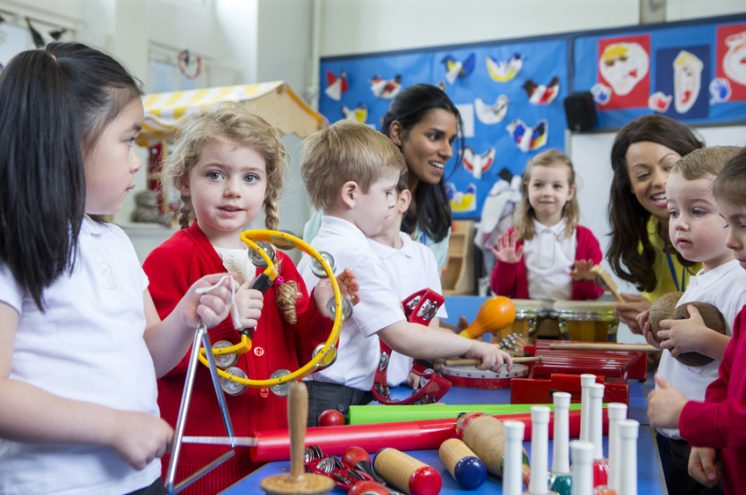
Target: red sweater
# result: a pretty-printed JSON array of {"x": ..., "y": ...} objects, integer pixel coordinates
[
  {"x": 720, "y": 421},
  {"x": 172, "y": 268},
  {"x": 511, "y": 280}
]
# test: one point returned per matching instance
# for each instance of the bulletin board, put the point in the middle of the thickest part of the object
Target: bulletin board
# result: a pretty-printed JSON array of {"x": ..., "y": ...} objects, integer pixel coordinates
[
  {"x": 509, "y": 95},
  {"x": 510, "y": 92},
  {"x": 694, "y": 72}
]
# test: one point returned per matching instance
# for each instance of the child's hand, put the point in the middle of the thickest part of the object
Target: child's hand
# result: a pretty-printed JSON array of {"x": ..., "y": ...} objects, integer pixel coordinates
[
  {"x": 665, "y": 404},
  {"x": 702, "y": 466},
  {"x": 647, "y": 332},
  {"x": 581, "y": 270},
  {"x": 324, "y": 291},
  {"x": 249, "y": 303},
  {"x": 490, "y": 355},
  {"x": 629, "y": 310},
  {"x": 210, "y": 307},
  {"x": 413, "y": 380},
  {"x": 679, "y": 336},
  {"x": 505, "y": 251},
  {"x": 138, "y": 438}
]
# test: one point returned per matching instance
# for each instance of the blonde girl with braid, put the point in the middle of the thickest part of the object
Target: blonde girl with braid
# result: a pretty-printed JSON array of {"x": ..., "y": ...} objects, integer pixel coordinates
[{"x": 228, "y": 165}]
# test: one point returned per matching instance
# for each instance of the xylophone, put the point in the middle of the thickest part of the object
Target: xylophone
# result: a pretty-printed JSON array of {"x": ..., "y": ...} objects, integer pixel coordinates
[{"x": 560, "y": 368}]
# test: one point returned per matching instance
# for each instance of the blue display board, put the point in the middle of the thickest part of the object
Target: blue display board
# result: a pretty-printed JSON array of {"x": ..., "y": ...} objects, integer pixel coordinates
[
  {"x": 509, "y": 95},
  {"x": 693, "y": 72}
]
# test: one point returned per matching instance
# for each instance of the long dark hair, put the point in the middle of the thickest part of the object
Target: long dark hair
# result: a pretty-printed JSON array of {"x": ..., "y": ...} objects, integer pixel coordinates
[
  {"x": 432, "y": 212},
  {"x": 627, "y": 216},
  {"x": 54, "y": 103}
]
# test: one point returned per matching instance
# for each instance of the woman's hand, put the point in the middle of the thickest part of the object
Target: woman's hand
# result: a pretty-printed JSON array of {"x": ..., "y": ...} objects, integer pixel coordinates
[
  {"x": 627, "y": 311},
  {"x": 505, "y": 251}
]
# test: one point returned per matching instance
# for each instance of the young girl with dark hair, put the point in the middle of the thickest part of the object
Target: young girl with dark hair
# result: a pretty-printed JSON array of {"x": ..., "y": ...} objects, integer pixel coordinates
[{"x": 81, "y": 343}]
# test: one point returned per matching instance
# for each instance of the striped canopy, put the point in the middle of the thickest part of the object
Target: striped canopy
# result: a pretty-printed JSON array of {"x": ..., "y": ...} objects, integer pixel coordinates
[{"x": 275, "y": 101}]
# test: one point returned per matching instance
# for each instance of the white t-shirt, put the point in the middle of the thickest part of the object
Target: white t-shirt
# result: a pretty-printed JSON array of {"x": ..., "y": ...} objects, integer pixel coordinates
[
  {"x": 725, "y": 288},
  {"x": 359, "y": 349},
  {"x": 411, "y": 268},
  {"x": 549, "y": 258},
  {"x": 87, "y": 346}
]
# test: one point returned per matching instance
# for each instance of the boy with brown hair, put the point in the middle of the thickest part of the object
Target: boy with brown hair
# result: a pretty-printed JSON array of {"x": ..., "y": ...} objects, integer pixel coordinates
[{"x": 351, "y": 172}]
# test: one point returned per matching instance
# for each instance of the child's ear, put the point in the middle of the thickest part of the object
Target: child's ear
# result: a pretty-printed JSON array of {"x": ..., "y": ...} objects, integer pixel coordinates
[
  {"x": 405, "y": 198},
  {"x": 396, "y": 132},
  {"x": 349, "y": 193},
  {"x": 571, "y": 193}
]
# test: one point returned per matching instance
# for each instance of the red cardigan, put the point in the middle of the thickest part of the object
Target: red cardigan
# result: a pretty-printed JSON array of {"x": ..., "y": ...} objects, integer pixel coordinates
[
  {"x": 720, "y": 421},
  {"x": 510, "y": 279},
  {"x": 172, "y": 268}
]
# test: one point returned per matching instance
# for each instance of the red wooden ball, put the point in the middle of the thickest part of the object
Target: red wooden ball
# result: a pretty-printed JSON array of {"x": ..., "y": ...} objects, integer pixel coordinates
[
  {"x": 367, "y": 488},
  {"x": 331, "y": 417},
  {"x": 355, "y": 454}
]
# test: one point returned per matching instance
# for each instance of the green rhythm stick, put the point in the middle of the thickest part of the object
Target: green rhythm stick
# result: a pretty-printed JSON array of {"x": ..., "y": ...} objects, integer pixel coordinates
[{"x": 361, "y": 415}]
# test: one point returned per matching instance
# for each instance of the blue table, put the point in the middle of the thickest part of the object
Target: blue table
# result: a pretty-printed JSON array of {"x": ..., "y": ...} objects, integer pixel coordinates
[{"x": 649, "y": 473}]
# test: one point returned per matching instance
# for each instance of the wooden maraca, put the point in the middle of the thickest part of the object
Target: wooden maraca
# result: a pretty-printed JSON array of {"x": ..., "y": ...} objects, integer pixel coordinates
[
  {"x": 298, "y": 481},
  {"x": 495, "y": 313},
  {"x": 406, "y": 473}
]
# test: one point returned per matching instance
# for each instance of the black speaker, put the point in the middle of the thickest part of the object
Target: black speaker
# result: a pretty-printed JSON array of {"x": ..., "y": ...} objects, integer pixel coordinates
[{"x": 580, "y": 111}]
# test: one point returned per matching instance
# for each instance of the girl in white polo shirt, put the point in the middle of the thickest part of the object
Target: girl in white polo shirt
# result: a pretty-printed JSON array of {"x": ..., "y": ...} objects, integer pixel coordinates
[
  {"x": 80, "y": 341},
  {"x": 547, "y": 255}
]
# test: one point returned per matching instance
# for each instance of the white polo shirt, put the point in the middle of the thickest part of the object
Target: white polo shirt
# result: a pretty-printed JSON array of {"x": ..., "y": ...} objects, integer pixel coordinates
[
  {"x": 725, "y": 288},
  {"x": 549, "y": 258},
  {"x": 359, "y": 349},
  {"x": 87, "y": 346},
  {"x": 410, "y": 269}
]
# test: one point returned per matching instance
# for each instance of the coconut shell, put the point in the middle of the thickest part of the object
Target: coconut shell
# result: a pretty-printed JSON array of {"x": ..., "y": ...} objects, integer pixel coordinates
[
  {"x": 661, "y": 309},
  {"x": 713, "y": 319}
]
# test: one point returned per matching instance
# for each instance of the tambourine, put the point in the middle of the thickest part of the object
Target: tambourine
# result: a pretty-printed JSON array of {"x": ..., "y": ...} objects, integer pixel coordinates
[
  {"x": 419, "y": 307},
  {"x": 473, "y": 377},
  {"x": 325, "y": 354}
]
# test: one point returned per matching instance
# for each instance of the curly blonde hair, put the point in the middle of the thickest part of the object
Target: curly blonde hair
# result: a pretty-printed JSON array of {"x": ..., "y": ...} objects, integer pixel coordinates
[
  {"x": 233, "y": 123},
  {"x": 524, "y": 213}
]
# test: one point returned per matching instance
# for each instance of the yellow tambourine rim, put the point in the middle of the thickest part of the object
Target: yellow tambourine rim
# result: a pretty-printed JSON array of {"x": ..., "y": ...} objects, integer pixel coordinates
[{"x": 250, "y": 237}]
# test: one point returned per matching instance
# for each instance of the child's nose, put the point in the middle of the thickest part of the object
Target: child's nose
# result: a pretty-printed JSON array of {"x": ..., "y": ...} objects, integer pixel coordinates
[{"x": 232, "y": 188}]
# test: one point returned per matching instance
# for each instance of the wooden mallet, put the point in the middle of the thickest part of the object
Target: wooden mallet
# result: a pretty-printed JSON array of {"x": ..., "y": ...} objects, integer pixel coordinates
[{"x": 298, "y": 481}]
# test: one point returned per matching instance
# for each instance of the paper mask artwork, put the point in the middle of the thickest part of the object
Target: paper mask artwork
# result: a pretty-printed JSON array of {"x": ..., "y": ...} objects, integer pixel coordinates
[
  {"x": 478, "y": 164},
  {"x": 539, "y": 94},
  {"x": 462, "y": 201},
  {"x": 385, "y": 88},
  {"x": 504, "y": 71},
  {"x": 336, "y": 85},
  {"x": 528, "y": 138},
  {"x": 491, "y": 114}
]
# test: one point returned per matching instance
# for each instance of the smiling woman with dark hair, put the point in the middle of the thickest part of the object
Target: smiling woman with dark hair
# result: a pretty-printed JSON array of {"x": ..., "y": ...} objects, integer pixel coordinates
[
  {"x": 642, "y": 154},
  {"x": 424, "y": 123}
]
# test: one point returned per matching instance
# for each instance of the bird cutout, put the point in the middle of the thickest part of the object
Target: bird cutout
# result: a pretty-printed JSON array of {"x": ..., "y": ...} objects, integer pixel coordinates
[
  {"x": 462, "y": 202},
  {"x": 539, "y": 94},
  {"x": 659, "y": 101},
  {"x": 491, "y": 114},
  {"x": 601, "y": 93},
  {"x": 385, "y": 88},
  {"x": 528, "y": 138},
  {"x": 720, "y": 91},
  {"x": 358, "y": 113},
  {"x": 476, "y": 164},
  {"x": 457, "y": 69},
  {"x": 41, "y": 39},
  {"x": 336, "y": 85},
  {"x": 504, "y": 71}
]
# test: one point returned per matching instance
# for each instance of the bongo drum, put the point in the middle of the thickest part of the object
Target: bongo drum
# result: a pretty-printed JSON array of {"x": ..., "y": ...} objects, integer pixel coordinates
[
  {"x": 531, "y": 316},
  {"x": 589, "y": 321},
  {"x": 472, "y": 377}
]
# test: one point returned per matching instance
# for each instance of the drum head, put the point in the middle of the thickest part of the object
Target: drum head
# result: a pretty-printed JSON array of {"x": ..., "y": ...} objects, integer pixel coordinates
[
  {"x": 585, "y": 310},
  {"x": 472, "y": 377}
]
